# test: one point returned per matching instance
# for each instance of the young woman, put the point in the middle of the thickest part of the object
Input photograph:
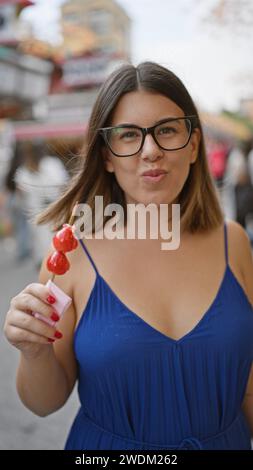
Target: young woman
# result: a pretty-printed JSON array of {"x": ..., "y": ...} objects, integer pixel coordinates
[{"x": 160, "y": 341}]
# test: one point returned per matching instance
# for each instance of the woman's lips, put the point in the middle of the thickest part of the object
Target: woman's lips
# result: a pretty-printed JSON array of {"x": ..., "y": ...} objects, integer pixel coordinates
[
  {"x": 154, "y": 179},
  {"x": 154, "y": 175}
]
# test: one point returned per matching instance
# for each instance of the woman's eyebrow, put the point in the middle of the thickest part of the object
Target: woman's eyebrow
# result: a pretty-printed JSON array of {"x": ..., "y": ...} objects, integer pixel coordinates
[
  {"x": 131, "y": 124},
  {"x": 169, "y": 118},
  {"x": 126, "y": 124}
]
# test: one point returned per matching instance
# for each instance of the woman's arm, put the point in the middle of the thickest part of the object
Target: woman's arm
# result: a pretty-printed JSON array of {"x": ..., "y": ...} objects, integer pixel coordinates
[
  {"x": 241, "y": 244},
  {"x": 42, "y": 383},
  {"x": 45, "y": 381}
]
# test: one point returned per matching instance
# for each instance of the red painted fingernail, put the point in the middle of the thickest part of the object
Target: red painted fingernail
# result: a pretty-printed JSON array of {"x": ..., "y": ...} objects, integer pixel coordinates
[
  {"x": 51, "y": 299},
  {"x": 58, "y": 334},
  {"x": 55, "y": 316},
  {"x": 50, "y": 340}
]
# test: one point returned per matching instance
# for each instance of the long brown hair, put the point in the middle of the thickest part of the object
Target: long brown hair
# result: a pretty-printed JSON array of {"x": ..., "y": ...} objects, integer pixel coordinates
[{"x": 199, "y": 204}]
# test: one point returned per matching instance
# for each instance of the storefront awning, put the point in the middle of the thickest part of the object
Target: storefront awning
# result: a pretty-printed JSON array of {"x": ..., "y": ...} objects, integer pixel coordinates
[
  {"x": 23, "y": 3},
  {"x": 49, "y": 130},
  {"x": 226, "y": 126}
]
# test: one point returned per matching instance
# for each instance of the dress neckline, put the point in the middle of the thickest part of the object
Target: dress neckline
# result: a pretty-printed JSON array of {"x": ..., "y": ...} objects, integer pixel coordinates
[
  {"x": 167, "y": 337},
  {"x": 204, "y": 317}
]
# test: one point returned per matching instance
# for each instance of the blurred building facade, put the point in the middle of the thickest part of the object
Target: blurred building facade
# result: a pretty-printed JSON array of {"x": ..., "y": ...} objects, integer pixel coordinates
[
  {"x": 95, "y": 40},
  {"x": 47, "y": 90},
  {"x": 102, "y": 24},
  {"x": 24, "y": 78}
]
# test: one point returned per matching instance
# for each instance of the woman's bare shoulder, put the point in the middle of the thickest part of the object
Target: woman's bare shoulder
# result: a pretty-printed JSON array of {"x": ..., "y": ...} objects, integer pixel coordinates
[
  {"x": 240, "y": 253},
  {"x": 235, "y": 229},
  {"x": 238, "y": 242}
]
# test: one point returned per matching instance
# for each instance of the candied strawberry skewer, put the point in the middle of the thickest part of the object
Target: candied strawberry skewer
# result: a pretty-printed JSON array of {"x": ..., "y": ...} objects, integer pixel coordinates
[
  {"x": 64, "y": 241},
  {"x": 57, "y": 263}
]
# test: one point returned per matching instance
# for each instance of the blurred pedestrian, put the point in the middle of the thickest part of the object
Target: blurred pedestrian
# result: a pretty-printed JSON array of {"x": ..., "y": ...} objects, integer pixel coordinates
[
  {"x": 236, "y": 166},
  {"x": 15, "y": 205},
  {"x": 40, "y": 180},
  {"x": 217, "y": 160},
  {"x": 250, "y": 161},
  {"x": 244, "y": 197}
]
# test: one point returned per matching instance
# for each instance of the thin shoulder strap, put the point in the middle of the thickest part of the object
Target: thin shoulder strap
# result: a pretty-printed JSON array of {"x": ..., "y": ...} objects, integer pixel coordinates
[
  {"x": 226, "y": 242},
  {"x": 89, "y": 256}
]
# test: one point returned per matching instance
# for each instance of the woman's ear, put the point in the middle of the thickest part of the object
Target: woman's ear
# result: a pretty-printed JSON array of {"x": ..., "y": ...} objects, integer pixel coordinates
[
  {"x": 107, "y": 160},
  {"x": 195, "y": 141}
]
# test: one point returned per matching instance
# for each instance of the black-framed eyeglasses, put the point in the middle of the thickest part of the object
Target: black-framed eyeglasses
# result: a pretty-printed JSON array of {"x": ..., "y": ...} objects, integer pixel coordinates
[{"x": 169, "y": 134}]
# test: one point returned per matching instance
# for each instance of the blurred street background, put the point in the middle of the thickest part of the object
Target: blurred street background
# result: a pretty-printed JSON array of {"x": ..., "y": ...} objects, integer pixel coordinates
[{"x": 54, "y": 55}]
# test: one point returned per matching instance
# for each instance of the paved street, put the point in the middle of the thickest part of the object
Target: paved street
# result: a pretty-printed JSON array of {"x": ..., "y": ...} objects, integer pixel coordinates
[{"x": 19, "y": 428}]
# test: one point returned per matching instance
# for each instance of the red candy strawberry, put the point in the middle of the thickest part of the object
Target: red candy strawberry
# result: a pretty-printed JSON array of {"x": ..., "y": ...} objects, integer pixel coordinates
[
  {"x": 64, "y": 240},
  {"x": 58, "y": 263}
]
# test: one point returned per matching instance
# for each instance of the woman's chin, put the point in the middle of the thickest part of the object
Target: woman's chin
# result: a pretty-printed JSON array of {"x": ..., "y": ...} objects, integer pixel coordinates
[{"x": 151, "y": 200}]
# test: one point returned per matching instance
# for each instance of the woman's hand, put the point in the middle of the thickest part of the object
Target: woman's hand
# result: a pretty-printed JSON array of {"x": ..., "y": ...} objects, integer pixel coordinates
[{"x": 27, "y": 333}]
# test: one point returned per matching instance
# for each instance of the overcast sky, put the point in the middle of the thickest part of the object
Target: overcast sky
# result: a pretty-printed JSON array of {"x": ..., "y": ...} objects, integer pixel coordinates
[{"x": 212, "y": 63}]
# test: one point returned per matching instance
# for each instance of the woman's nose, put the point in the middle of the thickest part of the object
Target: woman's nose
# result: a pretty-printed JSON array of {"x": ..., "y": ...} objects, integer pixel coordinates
[{"x": 150, "y": 149}]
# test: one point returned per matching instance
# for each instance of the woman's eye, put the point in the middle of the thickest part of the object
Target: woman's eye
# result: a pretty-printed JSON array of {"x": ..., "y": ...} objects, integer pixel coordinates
[
  {"x": 129, "y": 135},
  {"x": 167, "y": 130}
]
